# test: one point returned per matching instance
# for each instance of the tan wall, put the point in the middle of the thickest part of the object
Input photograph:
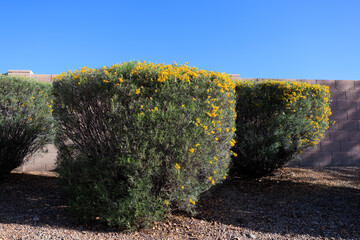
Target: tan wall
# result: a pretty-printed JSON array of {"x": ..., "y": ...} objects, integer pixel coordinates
[
  {"x": 340, "y": 147},
  {"x": 30, "y": 74}
]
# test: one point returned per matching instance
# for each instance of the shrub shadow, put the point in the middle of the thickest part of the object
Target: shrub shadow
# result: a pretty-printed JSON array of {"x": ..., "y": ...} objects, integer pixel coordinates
[
  {"x": 269, "y": 205},
  {"x": 37, "y": 200},
  {"x": 272, "y": 205}
]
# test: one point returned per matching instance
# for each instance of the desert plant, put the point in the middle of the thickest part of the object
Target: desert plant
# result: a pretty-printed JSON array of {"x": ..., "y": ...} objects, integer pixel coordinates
[
  {"x": 138, "y": 140},
  {"x": 25, "y": 120},
  {"x": 276, "y": 120}
]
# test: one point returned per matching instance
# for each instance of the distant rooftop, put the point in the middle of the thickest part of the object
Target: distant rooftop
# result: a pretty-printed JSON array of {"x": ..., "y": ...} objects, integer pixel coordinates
[{"x": 30, "y": 74}]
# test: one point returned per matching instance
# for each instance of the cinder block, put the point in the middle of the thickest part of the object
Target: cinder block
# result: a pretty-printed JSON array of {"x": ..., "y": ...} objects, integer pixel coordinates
[
  {"x": 346, "y": 104},
  {"x": 357, "y": 85},
  {"x": 34, "y": 168},
  {"x": 338, "y": 115},
  {"x": 310, "y": 81},
  {"x": 49, "y": 167},
  {"x": 344, "y": 84},
  {"x": 330, "y": 83},
  {"x": 355, "y": 136},
  {"x": 334, "y": 105},
  {"x": 347, "y": 125},
  {"x": 352, "y": 94},
  {"x": 337, "y": 94},
  {"x": 323, "y": 159},
  {"x": 356, "y": 159},
  {"x": 353, "y": 114},
  {"x": 306, "y": 160},
  {"x": 333, "y": 126},
  {"x": 350, "y": 146},
  {"x": 339, "y": 136},
  {"x": 342, "y": 158},
  {"x": 326, "y": 136},
  {"x": 327, "y": 146},
  {"x": 47, "y": 158}
]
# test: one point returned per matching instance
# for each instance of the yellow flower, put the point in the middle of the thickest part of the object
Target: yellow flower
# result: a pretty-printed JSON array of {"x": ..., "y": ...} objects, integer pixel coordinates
[
  {"x": 194, "y": 99},
  {"x": 193, "y": 202},
  {"x": 155, "y": 108},
  {"x": 177, "y": 166},
  {"x": 142, "y": 106},
  {"x": 214, "y": 172},
  {"x": 191, "y": 150},
  {"x": 210, "y": 162},
  {"x": 105, "y": 81},
  {"x": 183, "y": 105},
  {"x": 182, "y": 187},
  {"x": 166, "y": 203},
  {"x": 198, "y": 144},
  {"x": 210, "y": 178},
  {"x": 216, "y": 158},
  {"x": 213, "y": 182},
  {"x": 121, "y": 80},
  {"x": 137, "y": 91}
]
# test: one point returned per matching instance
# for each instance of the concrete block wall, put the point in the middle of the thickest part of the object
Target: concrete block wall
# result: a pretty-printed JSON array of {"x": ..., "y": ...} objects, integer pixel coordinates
[
  {"x": 41, "y": 161},
  {"x": 341, "y": 145}
]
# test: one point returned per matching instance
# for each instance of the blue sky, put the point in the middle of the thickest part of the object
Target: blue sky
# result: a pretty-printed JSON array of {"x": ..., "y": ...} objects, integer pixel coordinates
[{"x": 304, "y": 39}]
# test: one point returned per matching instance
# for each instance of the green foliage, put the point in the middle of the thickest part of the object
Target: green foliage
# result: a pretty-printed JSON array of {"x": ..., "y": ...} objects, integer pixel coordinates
[
  {"x": 139, "y": 140},
  {"x": 275, "y": 121},
  {"x": 25, "y": 120}
]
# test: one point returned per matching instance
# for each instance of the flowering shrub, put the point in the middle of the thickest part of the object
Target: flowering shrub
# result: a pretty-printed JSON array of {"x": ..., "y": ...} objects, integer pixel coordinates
[
  {"x": 25, "y": 120},
  {"x": 138, "y": 140},
  {"x": 275, "y": 121}
]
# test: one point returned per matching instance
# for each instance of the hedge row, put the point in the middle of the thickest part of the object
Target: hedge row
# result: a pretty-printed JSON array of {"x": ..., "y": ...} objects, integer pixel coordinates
[{"x": 139, "y": 140}]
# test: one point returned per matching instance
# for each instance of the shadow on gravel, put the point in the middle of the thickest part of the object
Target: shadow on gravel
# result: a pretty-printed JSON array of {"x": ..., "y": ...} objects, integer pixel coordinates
[
  {"x": 286, "y": 207},
  {"x": 270, "y": 205},
  {"x": 36, "y": 200}
]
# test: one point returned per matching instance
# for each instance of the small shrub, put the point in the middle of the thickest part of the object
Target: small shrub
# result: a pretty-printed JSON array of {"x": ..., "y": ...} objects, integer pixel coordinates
[
  {"x": 275, "y": 121},
  {"x": 138, "y": 140},
  {"x": 25, "y": 120}
]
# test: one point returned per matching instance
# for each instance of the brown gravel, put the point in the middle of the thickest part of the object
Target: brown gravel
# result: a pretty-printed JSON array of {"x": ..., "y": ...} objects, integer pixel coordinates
[{"x": 293, "y": 204}]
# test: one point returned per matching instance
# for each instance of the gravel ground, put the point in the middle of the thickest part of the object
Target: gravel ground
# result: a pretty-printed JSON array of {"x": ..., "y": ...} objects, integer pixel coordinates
[{"x": 293, "y": 204}]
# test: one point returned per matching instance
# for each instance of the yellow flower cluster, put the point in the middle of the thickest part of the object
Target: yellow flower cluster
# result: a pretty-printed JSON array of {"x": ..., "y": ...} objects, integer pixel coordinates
[
  {"x": 177, "y": 166},
  {"x": 163, "y": 73}
]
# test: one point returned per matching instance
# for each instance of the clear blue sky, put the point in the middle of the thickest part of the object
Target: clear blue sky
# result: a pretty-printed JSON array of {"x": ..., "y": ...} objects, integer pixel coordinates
[{"x": 306, "y": 39}]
